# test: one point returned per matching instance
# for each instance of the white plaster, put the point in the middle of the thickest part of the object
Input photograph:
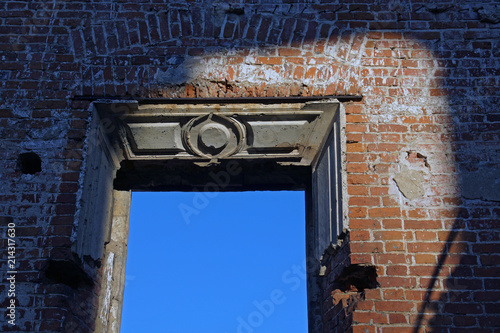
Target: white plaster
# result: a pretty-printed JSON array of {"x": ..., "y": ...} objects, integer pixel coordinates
[
  {"x": 406, "y": 109},
  {"x": 106, "y": 302}
]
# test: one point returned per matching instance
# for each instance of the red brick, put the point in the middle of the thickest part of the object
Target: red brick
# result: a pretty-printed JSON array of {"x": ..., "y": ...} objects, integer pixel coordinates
[
  {"x": 425, "y": 235},
  {"x": 369, "y": 317},
  {"x": 356, "y": 128},
  {"x": 425, "y": 259},
  {"x": 392, "y": 235},
  {"x": 415, "y": 295},
  {"x": 396, "y": 270},
  {"x": 391, "y": 246},
  {"x": 364, "y": 201},
  {"x": 399, "y": 282},
  {"x": 358, "y": 190},
  {"x": 373, "y": 294},
  {"x": 360, "y": 235},
  {"x": 422, "y": 224},
  {"x": 356, "y": 118},
  {"x": 396, "y": 306},
  {"x": 419, "y": 247},
  {"x": 365, "y": 305},
  {"x": 269, "y": 60},
  {"x": 356, "y": 147},
  {"x": 372, "y": 247},
  {"x": 363, "y": 329},
  {"x": 392, "y": 258},
  {"x": 287, "y": 52},
  {"x": 357, "y": 212},
  {"x": 392, "y": 128},
  {"x": 392, "y": 223},
  {"x": 397, "y": 318},
  {"x": 354, "y": 108},
  {"x": 384, "y": 212}
]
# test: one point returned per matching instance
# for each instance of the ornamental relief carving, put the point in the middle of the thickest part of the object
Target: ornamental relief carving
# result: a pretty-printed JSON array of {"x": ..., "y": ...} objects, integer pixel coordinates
[
  {"x": 213, "y": 136},
  {"x": 288, "y": 133}
]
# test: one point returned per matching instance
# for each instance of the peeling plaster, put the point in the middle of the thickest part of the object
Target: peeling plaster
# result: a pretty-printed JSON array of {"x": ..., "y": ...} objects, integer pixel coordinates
[
  {"x": 183, "y": 70},
  {"x": 106, "y": 301}
]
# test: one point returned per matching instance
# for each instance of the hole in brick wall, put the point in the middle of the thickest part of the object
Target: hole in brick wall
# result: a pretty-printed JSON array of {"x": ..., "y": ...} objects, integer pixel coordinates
[
  {"x": 417, "y": 158},
  {"x": 357, "y": 277},
  {"x": 29, "y": 163},
  {"x": 68, "y": 273}
]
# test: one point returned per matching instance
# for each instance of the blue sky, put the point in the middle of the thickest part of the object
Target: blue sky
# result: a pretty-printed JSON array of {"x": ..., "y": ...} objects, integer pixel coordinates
[{"x": 230, "y": 262}]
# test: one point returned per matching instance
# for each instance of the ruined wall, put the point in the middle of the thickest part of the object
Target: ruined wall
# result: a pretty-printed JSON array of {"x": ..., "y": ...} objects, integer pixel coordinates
[{"x": 422, "y": 144}]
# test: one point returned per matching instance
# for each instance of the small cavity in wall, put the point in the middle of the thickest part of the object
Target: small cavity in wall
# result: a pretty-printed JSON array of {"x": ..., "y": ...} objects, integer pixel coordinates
[
  {"x": 67, "y": 272},
  {"x": 350, "y": 285},
  {"x": 357, "y": 278},
  {"x": 29, "y": 163}
]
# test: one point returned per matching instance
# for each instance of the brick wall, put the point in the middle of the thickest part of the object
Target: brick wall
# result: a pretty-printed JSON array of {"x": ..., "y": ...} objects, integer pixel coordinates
[{"x": 422, "y": 144}]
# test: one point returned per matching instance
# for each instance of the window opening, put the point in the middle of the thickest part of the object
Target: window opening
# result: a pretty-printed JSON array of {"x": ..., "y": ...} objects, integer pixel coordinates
[{"x": 216, "y": 262}]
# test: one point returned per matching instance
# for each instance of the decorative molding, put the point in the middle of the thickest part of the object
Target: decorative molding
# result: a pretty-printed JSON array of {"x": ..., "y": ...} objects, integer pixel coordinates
[
  {"x": 291, "y": 133},
  {"x": 213, "y": 136}
]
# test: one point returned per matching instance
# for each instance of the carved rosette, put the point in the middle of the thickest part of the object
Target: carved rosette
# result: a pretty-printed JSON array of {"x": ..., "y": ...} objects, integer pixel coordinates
[{"x": 213, "y": 136}]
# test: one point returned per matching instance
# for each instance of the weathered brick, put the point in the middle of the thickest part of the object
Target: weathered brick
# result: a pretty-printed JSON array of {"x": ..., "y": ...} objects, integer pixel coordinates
[{"x": 428, "y": 80}]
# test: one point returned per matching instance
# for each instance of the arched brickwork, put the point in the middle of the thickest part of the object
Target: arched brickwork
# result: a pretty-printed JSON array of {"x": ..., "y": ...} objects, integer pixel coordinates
[{"x": 428, "y": 74}]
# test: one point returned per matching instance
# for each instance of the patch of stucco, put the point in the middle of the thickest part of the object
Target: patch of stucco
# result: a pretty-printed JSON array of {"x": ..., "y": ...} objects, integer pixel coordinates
[{"x": 410, "y": 183}]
